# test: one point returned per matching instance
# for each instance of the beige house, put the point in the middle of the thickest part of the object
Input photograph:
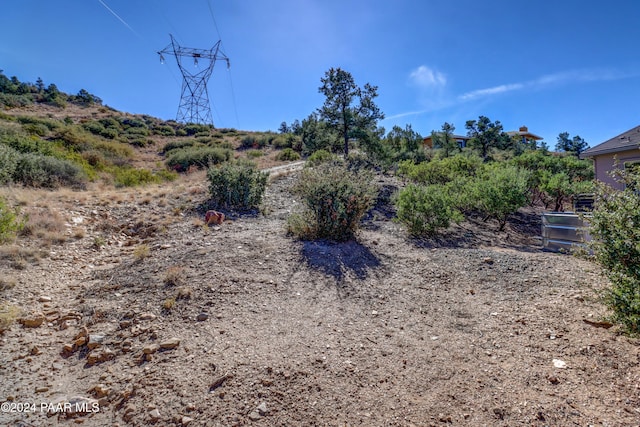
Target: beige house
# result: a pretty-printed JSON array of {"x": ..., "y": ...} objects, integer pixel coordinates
[
  {"x": 625, "y": 148},
  {"x": 524, "y": 134}
]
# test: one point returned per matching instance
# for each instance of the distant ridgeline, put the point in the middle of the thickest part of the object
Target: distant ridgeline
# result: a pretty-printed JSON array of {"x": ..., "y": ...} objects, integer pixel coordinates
[{"x": 14, "y": 93}]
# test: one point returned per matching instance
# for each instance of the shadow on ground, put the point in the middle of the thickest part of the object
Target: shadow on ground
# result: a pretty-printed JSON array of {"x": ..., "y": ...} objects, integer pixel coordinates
[{"x": 339, "y": 259}]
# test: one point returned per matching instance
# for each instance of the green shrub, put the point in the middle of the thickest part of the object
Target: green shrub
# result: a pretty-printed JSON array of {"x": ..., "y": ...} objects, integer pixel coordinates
[
  {"x": 500, "y": 191},
  {"x": 236, "y": 185},
  {"x": 252, "y": 154},
  {"x": 131, "y": 177},
  {"x": 10, "y": 222},
  {"x": 441, "y": 171},
  {"x": 178, "y": 144},
  {"x": 201, "y": 157},
  {"x": 319, "y": 157},
  {"x": 288, "y": 155},
  {"x": 8, "y": 163},
  {"x": 335, "y": 199},
  {"x": 254, "y": 141},
  {"x": 426, "y": 209},
  {"x": 615, "y": 228},
  {"x": 36, "y": 170}
]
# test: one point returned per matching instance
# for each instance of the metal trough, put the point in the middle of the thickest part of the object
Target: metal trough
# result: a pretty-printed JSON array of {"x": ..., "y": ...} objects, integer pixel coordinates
[{"x": 564, "y": 231}]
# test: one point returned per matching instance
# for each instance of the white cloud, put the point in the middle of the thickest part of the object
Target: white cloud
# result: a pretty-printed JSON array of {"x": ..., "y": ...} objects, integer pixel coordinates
[
  {"x": 425, "y": 77},
  {"x": 491, "y": 91}
]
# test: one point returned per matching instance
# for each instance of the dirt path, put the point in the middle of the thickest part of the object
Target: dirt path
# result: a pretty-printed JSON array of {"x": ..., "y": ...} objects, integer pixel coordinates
[{"x": 241, "y": 325}]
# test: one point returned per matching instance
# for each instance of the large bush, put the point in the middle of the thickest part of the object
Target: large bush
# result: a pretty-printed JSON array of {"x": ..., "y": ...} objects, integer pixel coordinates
[
  {"x": 426, "y": 209},
  {"x": 199, "y": 156},
  {"x": 36, "y": 170},
  {"x": 335, "y": 199},
  {"x": 237, "y": 185},
  {"x": 500, "y": 191},
  {"x": 615, "y": 228}
]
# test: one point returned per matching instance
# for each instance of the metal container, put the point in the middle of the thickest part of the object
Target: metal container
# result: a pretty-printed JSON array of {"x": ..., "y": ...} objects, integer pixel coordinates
[{"x": 564, "y": 231}]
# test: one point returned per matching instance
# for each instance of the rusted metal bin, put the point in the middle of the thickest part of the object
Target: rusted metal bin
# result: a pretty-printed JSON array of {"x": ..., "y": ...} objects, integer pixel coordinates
[{"x": 564, "y": 231}]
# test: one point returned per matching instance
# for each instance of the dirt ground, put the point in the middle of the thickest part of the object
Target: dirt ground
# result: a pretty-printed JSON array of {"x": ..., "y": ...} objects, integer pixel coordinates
[{"x": 135, "y": 313}]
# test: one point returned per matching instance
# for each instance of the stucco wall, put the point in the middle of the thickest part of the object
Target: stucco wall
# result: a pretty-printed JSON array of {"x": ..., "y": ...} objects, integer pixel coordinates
[{"x": 605, "y": 162}]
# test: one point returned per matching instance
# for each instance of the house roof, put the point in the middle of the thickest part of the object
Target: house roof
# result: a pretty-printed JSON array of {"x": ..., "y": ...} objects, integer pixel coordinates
[
  {"x": 626, "y": 141},
  {"x": 523, "y": 131}
]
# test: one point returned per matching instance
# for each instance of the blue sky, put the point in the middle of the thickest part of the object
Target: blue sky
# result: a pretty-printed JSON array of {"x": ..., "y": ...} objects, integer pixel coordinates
[{"x": 552, "y": 65}]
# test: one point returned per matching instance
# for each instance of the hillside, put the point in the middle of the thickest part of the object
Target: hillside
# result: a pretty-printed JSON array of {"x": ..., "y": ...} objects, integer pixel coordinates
[{"x": 119, "y": 306}]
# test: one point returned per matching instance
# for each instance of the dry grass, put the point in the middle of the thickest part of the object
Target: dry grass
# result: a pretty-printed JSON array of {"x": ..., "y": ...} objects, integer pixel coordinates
[
  {"x": 174, "y": 276},
  {"x": 8, "y": 314},
  {"x": 7, "y": 283},
  {"x": 141, "y": 252},
  {"x": 46, "y": 225},
  {"x": 19, "y": 257}
]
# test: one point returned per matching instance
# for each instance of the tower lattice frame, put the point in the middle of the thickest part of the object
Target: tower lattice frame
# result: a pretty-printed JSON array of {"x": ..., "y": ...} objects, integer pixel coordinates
[{"x": 194, "y": 100}]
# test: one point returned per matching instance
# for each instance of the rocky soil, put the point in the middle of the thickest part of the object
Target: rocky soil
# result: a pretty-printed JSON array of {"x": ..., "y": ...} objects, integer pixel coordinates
[{"x": 139, "y": 314}]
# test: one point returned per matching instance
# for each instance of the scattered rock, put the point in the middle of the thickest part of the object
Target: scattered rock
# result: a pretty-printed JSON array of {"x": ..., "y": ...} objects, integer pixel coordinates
[
  {"x": 129, "y": 411},
  {"x": 80, "y": 341},
  {"x": 150, "y": 348},
  {"x": 202, "y": 317},
  {"x": 262, "y": 408},
  {"x": 35, "y": 351},
  {"x": 95, "y": 341},
  {"x": 100, "y": 355},
  {"x": 488, "y": 260},
  {"x": 147, "y": 316},
  {"x": 185, "y": 421},
  {"x": 42, "y": 389},
  {"x": 100, "y": 390},
  {"x": 255, "y": 415},
  {"x": 170, "y": 344},
  {"x": 560, "y": 364},
  {"x": 33, "y": 321},
  {"x": 68, "y": 349},
  {"x": 154, "y": 414},
  {"x": 45, "y": 299}
]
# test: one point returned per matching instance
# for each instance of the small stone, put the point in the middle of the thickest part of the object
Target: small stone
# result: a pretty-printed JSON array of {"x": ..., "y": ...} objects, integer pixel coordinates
[
  {"x": 101, "y": 390},
  {"x": 79, "y": 342},
  {"x": 35, "y": 351},
  {"x": 202, "y": 317},
  {"x": 100, "y": 355},
  {"x": 84, "y": 332},
  {"x": 95, "y": 341},
  {"x": 125, "y": 324},
  {"x": 45, "y": 299},
  {"x": 147, "y": 316},
  {"x": 150, "y": 348},
  {"x": 170, "y": 344},
  {"x": 560, "y": 364},
  {"x": 56, "y": 366},
  {"x": 129, "y": 411},
  {"x": 488, "y": 261},
  {"x": 254, "y": 416},
  {"x": 68, "y": 348},
  {"x": 262, "y": 408},
  {"x": 33, "y": 321},
  {"x": 155, "y": 415},
  {"x": 42, "y": 389},
  {"x": 186, "y": 421}
]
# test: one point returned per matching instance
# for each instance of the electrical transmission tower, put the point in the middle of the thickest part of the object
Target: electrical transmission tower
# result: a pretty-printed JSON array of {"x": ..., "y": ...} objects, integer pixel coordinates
[{"x": 194, "y": 101}]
